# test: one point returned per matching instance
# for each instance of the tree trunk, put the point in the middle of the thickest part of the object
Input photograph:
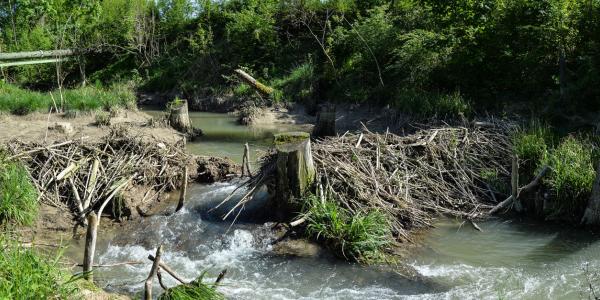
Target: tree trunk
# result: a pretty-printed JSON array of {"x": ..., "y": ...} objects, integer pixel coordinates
[
  {"x": 295, "y": 171},
  {"x": 325, "y": 121},
  {"x": 180, "y": 119},
  {"x": 592, "y": 212},
  {"x": 37, "y": 54},
  {"x": 562, "y": 72}
]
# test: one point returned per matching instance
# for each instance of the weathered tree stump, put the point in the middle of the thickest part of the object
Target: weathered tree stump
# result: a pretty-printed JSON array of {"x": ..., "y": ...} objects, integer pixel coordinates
[
  {"x": 295, "y": 171},
  {"x": 90, "y": 246},
  {"x": 180, "y": 120},
  {"x": 325, "y": 121},
  {"x": 592, "y": 212}
]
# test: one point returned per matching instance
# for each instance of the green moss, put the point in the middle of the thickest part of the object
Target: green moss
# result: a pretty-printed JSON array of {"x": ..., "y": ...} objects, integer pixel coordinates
[
  {"x": 572, "y": 175},
  {"x": 362, "y": 237},
  {"x": 18, "y": 196},
  {"x": 290, "y": 137}
]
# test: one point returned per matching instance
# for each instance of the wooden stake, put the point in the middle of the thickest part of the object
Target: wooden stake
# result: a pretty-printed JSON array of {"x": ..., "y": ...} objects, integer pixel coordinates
[
  {"x": 182, "y": 194},
  {"x": 90, "y": 246},
  {"x": 153, "y": 270},
  {"x": 246, "y": 160},
  {"x": 167, "y": 269}
]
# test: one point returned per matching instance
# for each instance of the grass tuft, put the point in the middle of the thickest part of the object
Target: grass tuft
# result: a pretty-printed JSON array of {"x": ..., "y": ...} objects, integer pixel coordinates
[
  {"x": 362, "y": 237},
  {"x": 26, "y": 274},
  {"x": 572, "y": 175},
  {"x": 18, "y": 196}
]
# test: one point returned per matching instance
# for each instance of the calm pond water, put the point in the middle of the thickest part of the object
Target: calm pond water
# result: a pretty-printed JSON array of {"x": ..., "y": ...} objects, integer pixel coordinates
[
  {"x": 508, "y": 260},
  {"x": 224, "y": 137}
]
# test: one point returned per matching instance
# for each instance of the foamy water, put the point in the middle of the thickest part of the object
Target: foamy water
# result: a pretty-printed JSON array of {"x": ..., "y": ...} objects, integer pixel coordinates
[{"x": 506, "y": 261}]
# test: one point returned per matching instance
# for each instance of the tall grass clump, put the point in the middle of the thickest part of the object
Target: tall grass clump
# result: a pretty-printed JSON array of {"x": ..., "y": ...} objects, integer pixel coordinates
[
  {"x": 572, "y": 175},
  {"x": 26, "y": 274},
  {"x": 196, "y": 290},
  {"x": 18, "y": 196},
  {"x": 531, "y": 145},
  {"x": 362, "y": 237}
]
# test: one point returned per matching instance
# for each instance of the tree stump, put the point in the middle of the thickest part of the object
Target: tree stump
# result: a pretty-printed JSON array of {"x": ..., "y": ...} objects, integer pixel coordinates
[
  {"x": 180, "y": 120},
  {"x": 592, "y": 212},
  {"x": 325, "y": 121},
  {"x": 295, "y": 171}
]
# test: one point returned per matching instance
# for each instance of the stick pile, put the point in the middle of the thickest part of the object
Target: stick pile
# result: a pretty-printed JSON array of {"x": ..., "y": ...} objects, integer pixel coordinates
[
  {"x": 77, "y": 176},
  {"x": 416, "y": 177}
]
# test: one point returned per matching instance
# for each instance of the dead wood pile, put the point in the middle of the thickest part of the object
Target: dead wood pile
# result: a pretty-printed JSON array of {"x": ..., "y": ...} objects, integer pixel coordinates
[
  {"x": 416, "y": 177},
  {"x": 79, "y": 176}
]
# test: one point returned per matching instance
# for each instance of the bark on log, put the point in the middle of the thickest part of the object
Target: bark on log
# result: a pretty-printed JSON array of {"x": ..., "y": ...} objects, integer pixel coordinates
[
  {"x": 253, "y": 82},
  {"x": 179, "y": 117},
  {"x": 90, "y": 246},
  {"x": 591, "y": 216},
  {"x": 295, "y": 171},
  {"x": 325, "y": 122}
]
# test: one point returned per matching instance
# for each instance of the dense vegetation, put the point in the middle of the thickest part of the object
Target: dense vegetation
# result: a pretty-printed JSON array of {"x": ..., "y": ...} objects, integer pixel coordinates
[
  {"x": 430, "y": 57},
  {"x": 572, "y": 162}
]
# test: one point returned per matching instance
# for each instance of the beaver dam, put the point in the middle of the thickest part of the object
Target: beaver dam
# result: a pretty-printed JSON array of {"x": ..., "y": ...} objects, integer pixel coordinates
[{"x": 433, "y": 179}]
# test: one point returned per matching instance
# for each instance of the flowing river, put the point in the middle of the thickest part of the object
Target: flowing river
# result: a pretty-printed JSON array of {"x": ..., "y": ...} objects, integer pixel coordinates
[{"x": 509, "y": 259}]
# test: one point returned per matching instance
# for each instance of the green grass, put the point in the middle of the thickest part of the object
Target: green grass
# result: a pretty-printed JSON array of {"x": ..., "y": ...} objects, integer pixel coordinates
[
  {"x": 531, "y": 145},
  {"x": 20, "y": 101},
  {"x": 572, "y": 175},
  {"x": 196, "y": 290},
  {"x": 18, "y": 196},
  {"x": 426, "y": 105},
  {"x": 26, "y": 274},
  {"x": 361, "y": 237}
]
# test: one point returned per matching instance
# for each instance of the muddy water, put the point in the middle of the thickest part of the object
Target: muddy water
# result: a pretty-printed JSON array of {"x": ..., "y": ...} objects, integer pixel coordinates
[{"x": 508, "y": 260}]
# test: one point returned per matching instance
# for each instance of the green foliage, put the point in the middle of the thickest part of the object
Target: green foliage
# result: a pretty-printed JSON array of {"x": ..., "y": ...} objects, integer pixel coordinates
[
  {"x": 22, "y": 101},
  {"x": 26, "y": 274},
  {"x": 572, "y": 175},
  {"x": 496, "y": 182},
  {"x": 363, "y": 236},
  {"x": 532, "y": 145},
  {"x": 196, "y": 290},
  {"x": 428, "y": 105},
  {"x": 496, "y": 53},
  {"x": 18, "y": 196}
]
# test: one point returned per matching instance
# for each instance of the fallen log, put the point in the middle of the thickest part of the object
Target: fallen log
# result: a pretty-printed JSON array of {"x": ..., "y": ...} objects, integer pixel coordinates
[{"x": 253, "y": 82}]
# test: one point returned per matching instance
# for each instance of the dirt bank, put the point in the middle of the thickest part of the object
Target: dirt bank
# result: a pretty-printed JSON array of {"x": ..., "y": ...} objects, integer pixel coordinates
[{"x": 40, "y": 127}]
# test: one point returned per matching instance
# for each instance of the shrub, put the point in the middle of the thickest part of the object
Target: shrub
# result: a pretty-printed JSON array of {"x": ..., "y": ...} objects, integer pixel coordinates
[
  {"x": 26, "y": 274},
  {"x": 298, "y": 86},
  {"x": 18, "y": 196},
  {"x": 361, "y": 237},
  {"x": 102, "y": 118},
  {"x": 572, "y": 175}
]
